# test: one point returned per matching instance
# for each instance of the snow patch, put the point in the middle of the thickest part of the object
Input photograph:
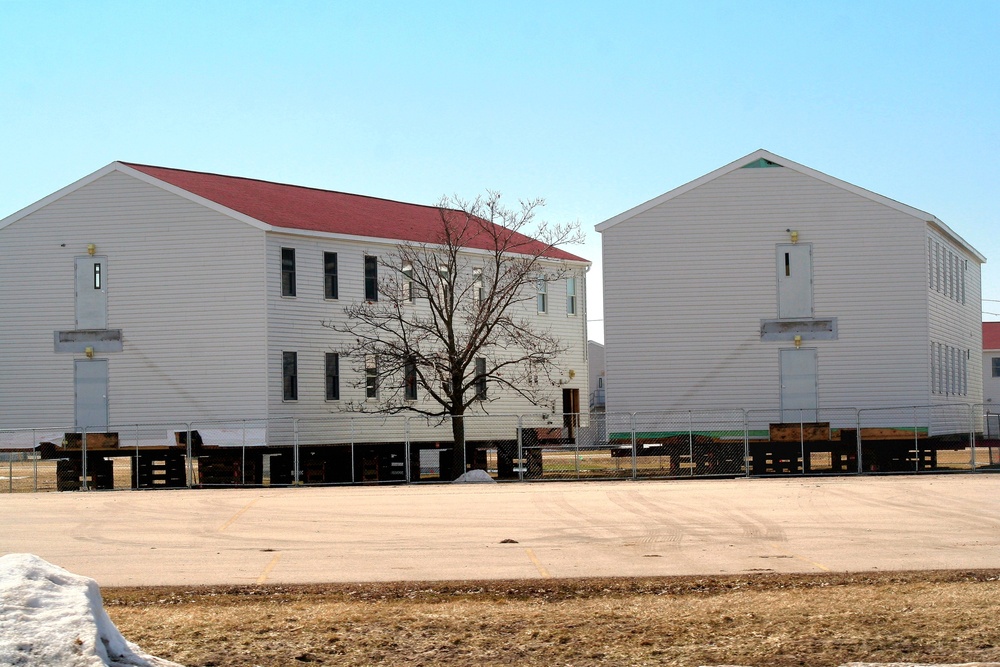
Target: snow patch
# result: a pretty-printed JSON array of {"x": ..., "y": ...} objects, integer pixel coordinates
[{"x": 49, "y": 616}]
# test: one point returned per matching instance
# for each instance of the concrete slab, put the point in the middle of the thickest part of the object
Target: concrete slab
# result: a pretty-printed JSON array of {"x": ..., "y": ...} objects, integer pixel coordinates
[{"x": 449, "y": 532}]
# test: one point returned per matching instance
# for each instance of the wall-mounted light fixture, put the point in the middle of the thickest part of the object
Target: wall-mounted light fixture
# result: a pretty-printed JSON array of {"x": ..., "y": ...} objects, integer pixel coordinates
[
  {"x": 793, "y": 234},
  {"x": 572, "y": 374},
  {"x": 89, "y": 351},
  {"x": 91, "y": 248},
  {"x": 798, "y": 342}
]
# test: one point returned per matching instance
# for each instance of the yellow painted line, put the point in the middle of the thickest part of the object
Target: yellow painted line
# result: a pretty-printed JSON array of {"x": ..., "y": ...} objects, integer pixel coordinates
[
  {"x": 801, "y": 558},
  {"x": 267, "y": 570},
  {"x": 541, "y": 568},
  {"x": 236, "y": 516}
]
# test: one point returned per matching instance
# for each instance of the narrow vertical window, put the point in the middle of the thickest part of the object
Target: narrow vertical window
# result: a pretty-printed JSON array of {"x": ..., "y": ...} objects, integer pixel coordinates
[
  {"x": 410, "y": 380},
  {"x": 480, "y": 381},
  {"x": 332, "y": 376},
  {"x": 371, "y": 278},
  {"x": 408, "y": 294},
  {"x": 571, "y": 295},
  {"x": 444, "y": 283},
  {"x": 290, "y": 376},
  {"x": 933, "y": 370},
  {"x": 288, "y": 272},
  {"x": 937, "y": 266},
  {"x": 477, "y": 285},
  {"x": 371, "y": 376},
  {"x": 965, "y": 266},
  {"x": 930, "y": 264},
  {"x": 330, "y": 275},
  {"x": 788, "y": 265},
  {"x": 543, "y": 296},
  {"x": 995, "y": 362},
  {"x": 97, "y": 275}
]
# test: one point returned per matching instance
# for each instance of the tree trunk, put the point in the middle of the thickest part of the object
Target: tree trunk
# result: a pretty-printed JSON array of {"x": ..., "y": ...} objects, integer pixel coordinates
[{"x": 458, "y": 451}]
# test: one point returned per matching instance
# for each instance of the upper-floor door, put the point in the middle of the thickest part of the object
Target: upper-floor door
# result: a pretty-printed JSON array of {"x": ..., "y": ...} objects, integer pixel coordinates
[
  {"x": 91, "y": 292},
  {"x": 795, "y": 288}
]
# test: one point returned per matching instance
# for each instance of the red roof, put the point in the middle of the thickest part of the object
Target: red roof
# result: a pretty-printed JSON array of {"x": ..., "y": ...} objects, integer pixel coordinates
[
  {"x": 310, "y": 209},
  {"x": 991, "y": 335}
]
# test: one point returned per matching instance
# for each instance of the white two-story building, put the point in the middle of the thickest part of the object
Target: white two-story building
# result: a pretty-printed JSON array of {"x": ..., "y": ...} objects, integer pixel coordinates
[{"x": 143, "y": 294}]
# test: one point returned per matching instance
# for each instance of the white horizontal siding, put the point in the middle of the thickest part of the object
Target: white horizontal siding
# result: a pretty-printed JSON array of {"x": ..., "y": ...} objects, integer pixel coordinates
[
  {"x": 687, "y": 283},
  {"x": 185, "y": 286},
  {"x": 296, "y": 325}
]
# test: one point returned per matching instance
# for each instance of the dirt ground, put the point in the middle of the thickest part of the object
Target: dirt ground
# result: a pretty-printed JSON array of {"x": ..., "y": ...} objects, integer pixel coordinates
[{"x": 759, "y": 619}]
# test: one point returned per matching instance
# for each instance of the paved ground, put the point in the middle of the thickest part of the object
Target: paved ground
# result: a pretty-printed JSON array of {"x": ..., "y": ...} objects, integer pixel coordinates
[{"x": 571, "y": 529}]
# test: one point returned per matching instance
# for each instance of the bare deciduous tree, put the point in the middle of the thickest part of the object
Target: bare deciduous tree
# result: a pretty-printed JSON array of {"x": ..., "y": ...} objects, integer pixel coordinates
[{"x": 450, "y": 318}]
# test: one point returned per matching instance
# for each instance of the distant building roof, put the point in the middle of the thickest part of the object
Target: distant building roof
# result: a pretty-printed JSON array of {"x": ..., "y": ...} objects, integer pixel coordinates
[
  {"x": 991, "y": 335},
  {"x": 296, "y": 207}
]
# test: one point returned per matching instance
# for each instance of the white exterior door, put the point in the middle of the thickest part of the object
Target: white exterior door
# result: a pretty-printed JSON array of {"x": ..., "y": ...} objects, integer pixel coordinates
[
  {"x": 90, "y": 382},
  {"x": 795, "y": 280},
  {"x": 799, "y": 400},
  {"x": 91, "y": 292}
]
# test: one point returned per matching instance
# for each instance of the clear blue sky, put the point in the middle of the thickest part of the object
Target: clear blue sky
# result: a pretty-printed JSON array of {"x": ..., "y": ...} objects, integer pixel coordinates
[{"x": 596, "y": 107}]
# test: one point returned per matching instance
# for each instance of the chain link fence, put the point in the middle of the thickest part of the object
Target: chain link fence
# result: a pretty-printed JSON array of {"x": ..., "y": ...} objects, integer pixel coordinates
[{"x": 380, "y": 449}]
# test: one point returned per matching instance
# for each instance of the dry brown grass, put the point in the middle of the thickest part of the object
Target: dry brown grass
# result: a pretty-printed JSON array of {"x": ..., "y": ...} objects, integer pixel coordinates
[{"x": 778, "y": 620}]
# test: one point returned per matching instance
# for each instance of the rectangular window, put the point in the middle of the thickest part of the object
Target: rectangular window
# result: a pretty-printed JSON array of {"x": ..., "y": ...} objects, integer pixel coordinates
[
  {"x": 410, "y": 381},
  {"x": 97, "y": 275},
  {"x": 480, "y": 379},
  {"x": 330, "y": 275},
  {"x": 290, "y": 376},
  {"x": 543, "y": 296},
  {"x": 937, "y": 266},
  {"x": 408, "y": 294},
  {"x": 371, "y": 278},
  {"x": 996, "y": 367},
  {"x": 934, "y": 369},
  {"x": 371, "y": 376},
  {"x": 288, "y": 272},
  {"x": 965, "y": 266},
  {"x": 332, "y": 376},
  {"x": 571, "y": 295},
  {"x": 477, "y": 285}
]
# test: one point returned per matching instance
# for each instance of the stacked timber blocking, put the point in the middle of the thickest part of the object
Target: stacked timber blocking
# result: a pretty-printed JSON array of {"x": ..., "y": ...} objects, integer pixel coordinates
[{"x": 161, "y": 469}]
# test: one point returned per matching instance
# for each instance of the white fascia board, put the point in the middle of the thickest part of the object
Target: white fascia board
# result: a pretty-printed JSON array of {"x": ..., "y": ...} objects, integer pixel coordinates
[
  {"x": 118, "y": 166},
  {"x": 197, "y": 199},
  {"x": 950, "y": 233},
  {"x": 55, "y": 196},
  {"x": 687, "y": 187}
]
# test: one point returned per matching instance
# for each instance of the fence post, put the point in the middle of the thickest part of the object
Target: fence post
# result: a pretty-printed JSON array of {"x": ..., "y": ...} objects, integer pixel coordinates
[
  {"x": 520, "y": 449},
  {"x": 406, "y": 449},
  {"x": 243, "y": 455},
  {"x": 691, "y": 442},
  {"x": 83, "y": 460},
  {"x": 916, "y": 442},
  {"x": 576, "y": 446},
  {"x": 190, "y": 454},
  {"x": 296, "y": 478},
  {"x": 635, "y": 463},
  {"x": 857, "y": 420},
  {"x": 802, "y": 444},
  {"x": 972, "y": 434},
  {"x": 34, "y": 458},
  {"x": 746, "y": 442}
]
